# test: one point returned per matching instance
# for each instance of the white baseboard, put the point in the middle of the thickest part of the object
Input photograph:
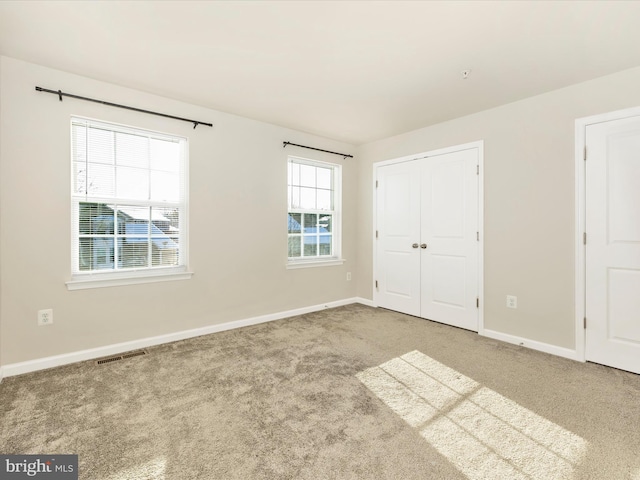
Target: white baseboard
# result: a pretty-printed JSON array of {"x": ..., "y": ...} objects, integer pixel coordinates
[
  {"x": 525, "y": 342},
  {"x": 12, "y": 369},
  {"x": 364, "y": 301},
  {"x": 1, "y": 374}
]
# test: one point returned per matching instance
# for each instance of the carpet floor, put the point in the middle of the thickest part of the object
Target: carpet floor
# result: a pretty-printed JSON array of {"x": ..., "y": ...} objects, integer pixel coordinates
[{"x": 346, "y": 393}]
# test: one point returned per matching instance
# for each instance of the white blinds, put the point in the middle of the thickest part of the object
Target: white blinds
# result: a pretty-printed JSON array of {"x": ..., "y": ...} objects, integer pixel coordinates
[
  {"x": 115, "y": 162},
  {"x": 129, "y": 197}
]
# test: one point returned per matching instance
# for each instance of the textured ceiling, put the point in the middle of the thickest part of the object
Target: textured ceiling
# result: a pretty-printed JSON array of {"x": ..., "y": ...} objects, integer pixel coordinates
[{"x": 355, "y": 71}]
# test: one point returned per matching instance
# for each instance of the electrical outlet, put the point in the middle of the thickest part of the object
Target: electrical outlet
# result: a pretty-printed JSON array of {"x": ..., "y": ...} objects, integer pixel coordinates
[
  {"x": 512, "y": 301},
  {"x": 348, "y": 276},
  {"x": 45, "y": 317}
]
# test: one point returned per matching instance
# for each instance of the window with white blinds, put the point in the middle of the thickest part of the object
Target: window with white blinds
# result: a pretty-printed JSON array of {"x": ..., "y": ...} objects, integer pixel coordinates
[{"x": 129, "y": 196}]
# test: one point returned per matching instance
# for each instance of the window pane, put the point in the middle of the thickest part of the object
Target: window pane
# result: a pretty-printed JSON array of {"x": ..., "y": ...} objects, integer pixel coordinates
[
  {"x": 294, "y": 197},
  {"x": 101, "y": 178},
  {"x": 95, "y": 253},
  {"x": 165, "y": 155},
  {"x": 79, "y": 177},
  {"x": 307, "y": 176},
  {"x": 133, "y": 252},
  {"x": 165, "y": 221},
  {"x": 165, "y": 186},
  {"x": 164, "y": 251},
  {"x": 132, "y": 150},
  {"x": 310, "y": 246},
  {"x": 294, "y": 246},
  {"x": 79, "y": 146},
  {"x": 295, "y": 174},
  {"x": 133, "y": 220},
  {"x": 325, "y": 245},
  {"x": 324, "y": 177},
  {"x": 310, "y": 223},
  {"x": 324, "y": 200},
  {"x": 95, "y": 219},
  {"x": 307, "y": 198},
  {"x": 100, "y": 146},
  {"x": 295, "y": 222},
  {"x": 325, "y": 223},
  {"x": 132, "y": 183}
]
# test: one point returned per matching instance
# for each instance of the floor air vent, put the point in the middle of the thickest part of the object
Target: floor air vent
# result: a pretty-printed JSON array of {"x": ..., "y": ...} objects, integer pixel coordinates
[{"x": 115, "y": 358}]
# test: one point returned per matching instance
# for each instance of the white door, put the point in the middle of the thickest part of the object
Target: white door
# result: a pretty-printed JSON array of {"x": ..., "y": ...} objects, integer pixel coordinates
[
  {"x": 398, "y": 232},
  {"x": 427, "y": 250},
  {"x": 450, "y": 234},
  {"x": 613, "y": 243}
]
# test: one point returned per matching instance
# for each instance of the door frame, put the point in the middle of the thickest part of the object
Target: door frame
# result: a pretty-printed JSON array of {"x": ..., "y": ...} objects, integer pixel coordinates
[
  {"x": 581, "y": 155},
  {"x": 479, "y": 144}
]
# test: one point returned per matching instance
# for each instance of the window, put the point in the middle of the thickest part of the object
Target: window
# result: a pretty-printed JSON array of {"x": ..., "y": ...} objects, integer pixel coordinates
[
  {"x": 314, "y": 212},
  {"x": 128, "y": 201}
]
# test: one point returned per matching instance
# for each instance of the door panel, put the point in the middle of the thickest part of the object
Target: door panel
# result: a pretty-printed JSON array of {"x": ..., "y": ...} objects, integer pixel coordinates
[
  {"x": 448, "y": 287},
  {"x": 624, "y": 288},
  {"x": 398, "y": 223},
  {"x": 613, "y": 247},
  {"x": 446, "y": 187},
  {"x": 449, "y": 214}
]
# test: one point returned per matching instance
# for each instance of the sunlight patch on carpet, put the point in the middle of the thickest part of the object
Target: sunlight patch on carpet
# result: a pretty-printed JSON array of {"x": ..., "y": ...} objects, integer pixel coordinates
[
  {"x": 482, "y": 433},
  {"x": 152, "y": 470}
]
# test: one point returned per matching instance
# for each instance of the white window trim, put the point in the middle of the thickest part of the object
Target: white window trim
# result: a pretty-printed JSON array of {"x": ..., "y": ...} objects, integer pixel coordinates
[
  {"x": 336, "y": 258},
  {"x": 100, "y": 279},
  {"x": 83, "y": 281},
  {"x": 329, "y": 262}
]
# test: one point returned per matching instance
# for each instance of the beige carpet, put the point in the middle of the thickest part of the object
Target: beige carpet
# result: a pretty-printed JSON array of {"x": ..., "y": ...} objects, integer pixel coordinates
[{"x": 347, "y": 393}]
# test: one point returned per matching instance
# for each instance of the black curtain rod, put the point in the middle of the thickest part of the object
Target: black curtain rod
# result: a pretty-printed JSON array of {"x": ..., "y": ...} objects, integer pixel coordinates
[
  {"x": 61, "y": 94},
  {"x": 284, "y": 144}
]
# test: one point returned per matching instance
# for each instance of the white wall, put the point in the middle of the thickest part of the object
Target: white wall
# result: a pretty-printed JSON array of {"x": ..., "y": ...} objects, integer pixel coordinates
[
  {"x": 237, "y": 220},
  {"x": 529, "y": 200},
  {"x": 238, "y": 178}
]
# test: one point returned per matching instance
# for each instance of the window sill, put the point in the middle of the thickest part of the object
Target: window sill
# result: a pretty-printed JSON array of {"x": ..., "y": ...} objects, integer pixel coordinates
[
  {"x": 315, "y": 263},
  {"x": 111, "y": 279}
]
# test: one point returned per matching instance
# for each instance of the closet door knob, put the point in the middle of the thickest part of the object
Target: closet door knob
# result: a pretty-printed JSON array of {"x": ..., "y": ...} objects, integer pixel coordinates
[
  {"x": 415, "y": 245},
  {"x": 424, "y": 245}
]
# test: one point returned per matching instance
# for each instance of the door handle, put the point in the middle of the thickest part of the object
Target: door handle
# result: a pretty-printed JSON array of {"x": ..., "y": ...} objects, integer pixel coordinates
[
  {"x": 415, "y": 245},
  {"x": 424, "y": 245}
]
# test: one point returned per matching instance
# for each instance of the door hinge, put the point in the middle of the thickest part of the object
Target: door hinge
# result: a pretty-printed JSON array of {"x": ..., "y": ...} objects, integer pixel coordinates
[
  {"x": 376, "y": 283},
  {"x": 585, "y": 323},
  {"x": 376, "y": 183},
  {"x": 376, "y": 233},
  {"x": 478, "y": 236},
  {"x": 585, "y": 153},
  {"x": 477, "y": 169},
  {"x": 584, "y": 238},
  {"x": 477, "y": 302}
]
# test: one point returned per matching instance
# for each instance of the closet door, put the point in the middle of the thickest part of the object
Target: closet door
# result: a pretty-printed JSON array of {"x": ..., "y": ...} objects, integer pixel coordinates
[
  {"x": 449, "y": 239},
  {"x": 397, "y": 277}
]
